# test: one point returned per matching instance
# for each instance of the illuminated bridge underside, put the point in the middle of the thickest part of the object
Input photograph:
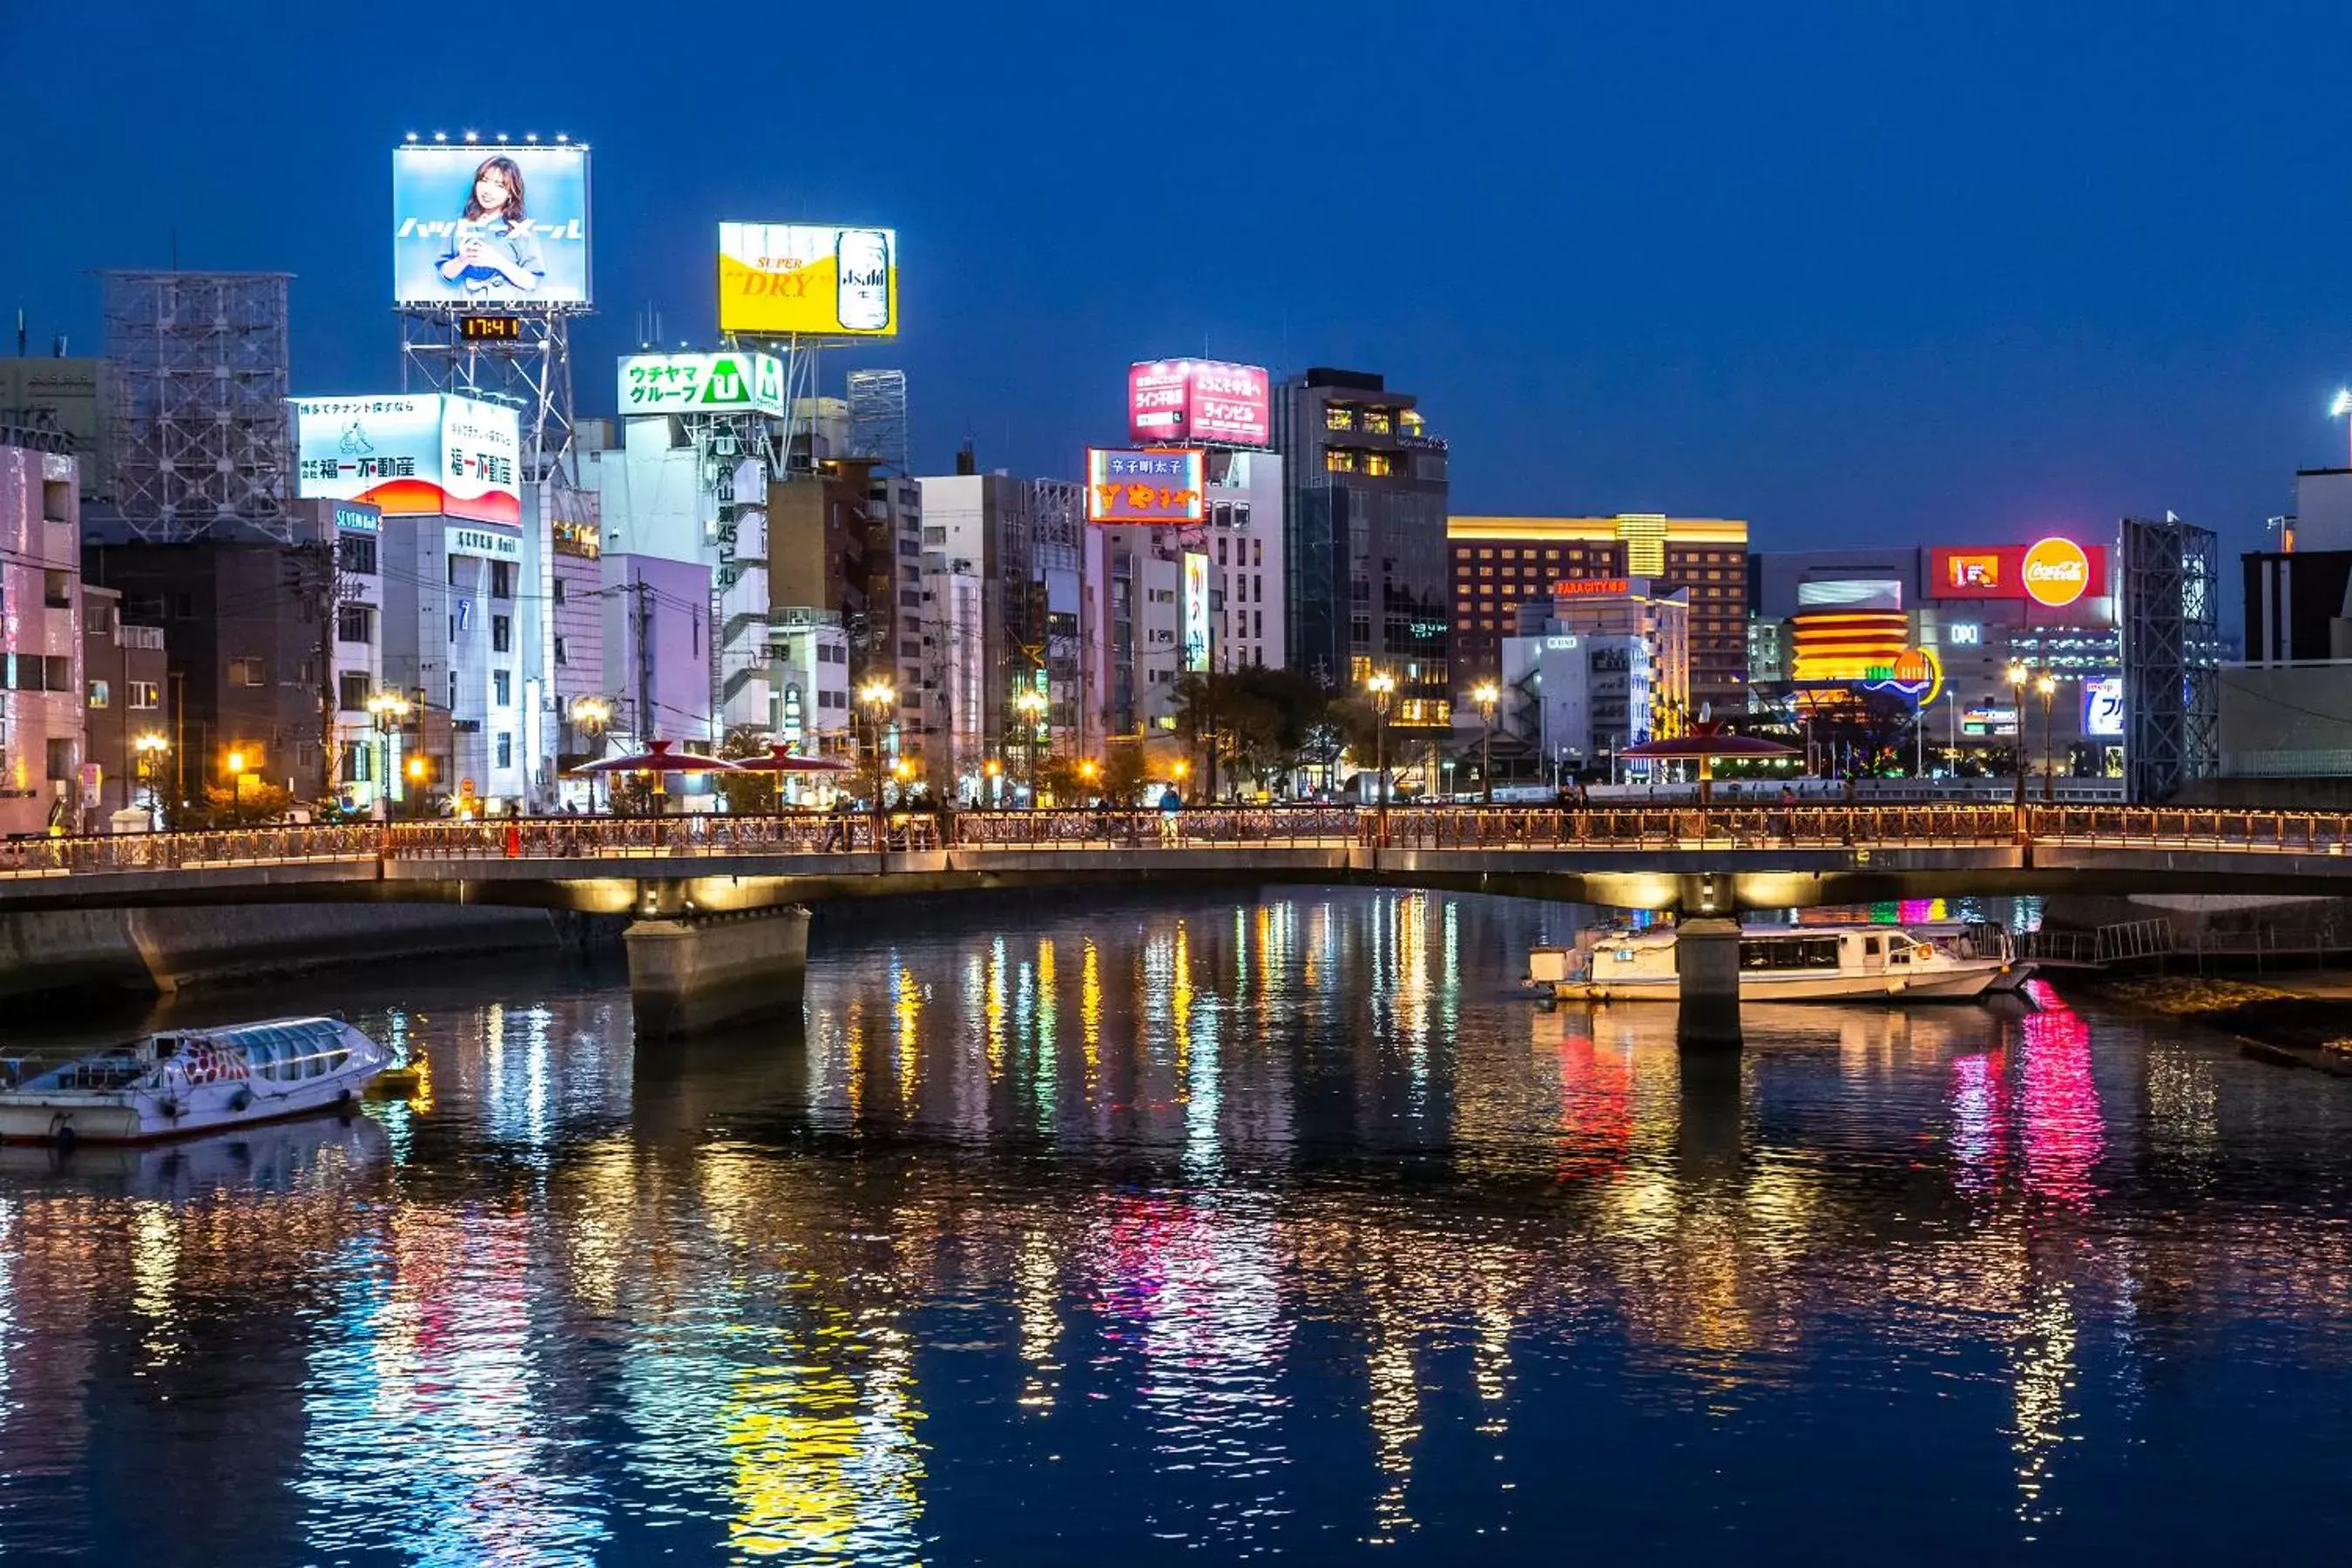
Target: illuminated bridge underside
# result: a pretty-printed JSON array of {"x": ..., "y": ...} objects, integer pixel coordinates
[{"x": 1693, "y": 875}]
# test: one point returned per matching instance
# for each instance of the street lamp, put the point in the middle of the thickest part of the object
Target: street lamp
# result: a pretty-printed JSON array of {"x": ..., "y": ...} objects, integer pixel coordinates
[
  {"x": 1485, "y": 694},
  {"x": 2017, "y": 678},
  {"x": 1382, "y": 686},
  {"x": 416, "y": 772},
  {"x": 877, "y": 698},
  {"x": 390, "y": 710},
  {"x": 1031, "y": 704},
  {"x": 1089, "y": 771},
  {"x": 593, "y": 715},
  {"x": 150, "y": 747},
  {"x": 2048, "y": 687}
]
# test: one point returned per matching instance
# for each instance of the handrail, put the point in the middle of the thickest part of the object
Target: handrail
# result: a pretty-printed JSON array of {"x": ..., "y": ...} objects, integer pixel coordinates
[{"x": 1748, "y": 824}]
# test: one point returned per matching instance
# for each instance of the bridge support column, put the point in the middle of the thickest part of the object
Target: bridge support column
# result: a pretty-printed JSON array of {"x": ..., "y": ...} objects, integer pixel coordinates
[
  {"x": 692, "y": 972},
  {"x": 1707, "y": 961}
]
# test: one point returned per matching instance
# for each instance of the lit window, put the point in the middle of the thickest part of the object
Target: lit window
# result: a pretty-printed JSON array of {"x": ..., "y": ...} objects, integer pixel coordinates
[
  {"x": 1339, "y": 460},
  {"x": 1377, "y": 463},
  {"x": 1376, "y": 420},
  {"x": 1338, "y": 416}
]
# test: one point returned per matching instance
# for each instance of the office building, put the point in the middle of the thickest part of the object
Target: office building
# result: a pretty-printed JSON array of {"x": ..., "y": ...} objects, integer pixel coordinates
[
  {"x": 1364, "y": 540},
  {"x": 69, "y": 397},
  {"x": 1502, "y": 563},
  {"x": 1593, "y": 667}
]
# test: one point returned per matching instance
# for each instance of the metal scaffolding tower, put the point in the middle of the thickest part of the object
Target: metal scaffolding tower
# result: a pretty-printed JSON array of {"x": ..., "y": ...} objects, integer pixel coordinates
[
  {"x": 877, "y": 416},
  {"x": 199, "y": 367},
  {"x": 2172, "y": 650},
  {"x": 531, "y": 373}
]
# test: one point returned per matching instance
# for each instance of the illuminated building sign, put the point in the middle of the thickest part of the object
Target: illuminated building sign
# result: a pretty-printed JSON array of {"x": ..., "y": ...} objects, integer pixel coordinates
[
  {"x": 1916, "y": 673},
  {"x": 1199, "y": 400},
  {"x": 1846, "y": 644},
  {"x": 1573, "y": 587},
  {"x": 2103, "y": 708},
  {"x": 1160, "y": 485},
  {"x": 2053, "y": 572}
]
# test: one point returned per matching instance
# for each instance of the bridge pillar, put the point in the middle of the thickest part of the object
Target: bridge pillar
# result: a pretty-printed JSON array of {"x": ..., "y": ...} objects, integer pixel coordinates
[
  {"x": 1707, "y": 962},
  {"x": 691, "y": 972}
]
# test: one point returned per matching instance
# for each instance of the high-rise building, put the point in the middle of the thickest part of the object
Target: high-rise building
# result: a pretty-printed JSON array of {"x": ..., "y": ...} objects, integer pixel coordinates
[
  {"x": 1501, "y": 562},
  {"x": 1365, "y": 539},
  {"x": 1586, "y": 674}
]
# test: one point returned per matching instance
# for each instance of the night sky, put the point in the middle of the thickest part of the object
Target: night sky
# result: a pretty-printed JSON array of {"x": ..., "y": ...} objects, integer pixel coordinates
[{"x": 1861, "y": 271}]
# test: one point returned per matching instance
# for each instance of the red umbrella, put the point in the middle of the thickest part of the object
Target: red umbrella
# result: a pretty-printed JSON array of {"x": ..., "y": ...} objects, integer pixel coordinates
[
  {"x": 657, "y": 758},
  {"x": 780, "y": 761}
]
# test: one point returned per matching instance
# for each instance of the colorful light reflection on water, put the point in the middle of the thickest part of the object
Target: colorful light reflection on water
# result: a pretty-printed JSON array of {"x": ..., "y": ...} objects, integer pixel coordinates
[{"x": 1170, "y": 1230}]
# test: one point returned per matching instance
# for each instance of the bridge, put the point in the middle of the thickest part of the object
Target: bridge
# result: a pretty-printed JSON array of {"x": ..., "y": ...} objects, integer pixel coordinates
[{"x": 690, "y": 883}]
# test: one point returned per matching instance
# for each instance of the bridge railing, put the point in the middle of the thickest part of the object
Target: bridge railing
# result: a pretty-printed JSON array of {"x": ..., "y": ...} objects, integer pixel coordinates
[
  {"x": 1664, "y": 827},
  {"x": 606, "y": 837},
  {"x": 177, "y": 851},
  {"x": 1273, "y": 827},
  {"x": 2298, "y": 832}
]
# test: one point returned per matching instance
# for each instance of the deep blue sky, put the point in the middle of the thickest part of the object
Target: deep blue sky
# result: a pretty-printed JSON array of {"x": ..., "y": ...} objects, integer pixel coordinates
[{"x": 1852, "y": 271}]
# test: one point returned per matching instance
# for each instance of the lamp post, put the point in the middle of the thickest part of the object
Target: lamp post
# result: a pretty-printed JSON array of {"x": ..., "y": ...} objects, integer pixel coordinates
[
  {"x": 877, "y": 697},
  {"x": 1485, "y": 694},
  {"x": 1089, "y": 772},
  {"x": 2017, "y": 677},
  {"x": 1031, "y": 704},
  {"x": 2048, "y": 687},
  {"x": 390, "y": 709},
  {"x": 593, "y": 715},
  {"x": 418, "y": 771},
  {"x": 1382, "y": 686},
  {"x": 150, "y": 748}
]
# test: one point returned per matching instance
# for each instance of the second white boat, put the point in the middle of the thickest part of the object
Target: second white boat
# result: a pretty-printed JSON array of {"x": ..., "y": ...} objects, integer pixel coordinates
[{"x": 1946, "y": 962}]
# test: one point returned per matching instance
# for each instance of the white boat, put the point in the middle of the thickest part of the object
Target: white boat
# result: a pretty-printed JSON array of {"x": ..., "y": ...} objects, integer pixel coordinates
[
  {"x": 182, "y": 1081},
  {"x": 1945, "y": 961}
]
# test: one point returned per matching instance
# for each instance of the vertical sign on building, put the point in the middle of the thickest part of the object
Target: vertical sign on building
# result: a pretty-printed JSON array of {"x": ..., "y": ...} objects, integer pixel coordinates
[{"x": 1196, "y": 610}]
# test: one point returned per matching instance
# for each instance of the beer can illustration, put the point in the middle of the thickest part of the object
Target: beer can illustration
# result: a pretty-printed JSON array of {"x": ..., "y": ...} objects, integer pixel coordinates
[{"x": 862, "y": 294}]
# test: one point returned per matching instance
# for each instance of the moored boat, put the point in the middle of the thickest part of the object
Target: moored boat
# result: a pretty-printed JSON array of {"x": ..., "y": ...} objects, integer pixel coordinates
[
  {"x": 182, "y": 1081},
  {"x": 1945, "y": 961}
]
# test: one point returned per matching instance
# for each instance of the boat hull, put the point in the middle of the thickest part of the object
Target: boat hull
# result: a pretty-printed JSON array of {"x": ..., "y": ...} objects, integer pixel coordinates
[
  {"x": 1957, "y": 984},
  {"x": 57, "y": 1119}
]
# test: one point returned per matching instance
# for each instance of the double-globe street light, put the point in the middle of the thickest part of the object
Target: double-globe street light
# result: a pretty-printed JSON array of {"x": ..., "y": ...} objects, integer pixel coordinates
[
  {"x": 1382, "y": 686},
  {"x": 593, "y": 715},
  {"x": 2018, "y": 676},
  {"x": 877, "y": 697},
  {"x": 150, "y": 747},
  {"x": 1487, "y": 694},
  {"x": 1031, "y": 704}
]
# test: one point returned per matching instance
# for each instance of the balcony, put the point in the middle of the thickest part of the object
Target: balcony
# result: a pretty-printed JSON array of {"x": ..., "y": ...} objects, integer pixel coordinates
[{"x": 150, "y": 638}]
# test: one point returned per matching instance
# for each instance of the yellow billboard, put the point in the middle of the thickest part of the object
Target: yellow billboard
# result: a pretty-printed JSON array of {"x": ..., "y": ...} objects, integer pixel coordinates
[{"x": 782, "y": 280}]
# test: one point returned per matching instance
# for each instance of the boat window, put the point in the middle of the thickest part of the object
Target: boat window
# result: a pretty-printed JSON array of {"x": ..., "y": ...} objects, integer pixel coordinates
[
  {"x": 1899, "y": 955},
  {"x": 1870, "y": 946},
  {"x": 1789, "y": 953},
  {"x": 165, "y": 1045},
  {"x": 258, "y": 1058}
]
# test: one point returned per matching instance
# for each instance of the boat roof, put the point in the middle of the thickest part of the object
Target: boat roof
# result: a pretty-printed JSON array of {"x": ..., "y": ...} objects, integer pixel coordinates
[{"x": 219, "y": 1031}]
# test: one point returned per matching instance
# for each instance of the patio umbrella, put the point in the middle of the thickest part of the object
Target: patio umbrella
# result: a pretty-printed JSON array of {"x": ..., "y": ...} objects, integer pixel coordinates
[
  {"x": 780, "y": 760},
  {"x": 657, "y": 758},
  {"x": 1706, "y": 742}
]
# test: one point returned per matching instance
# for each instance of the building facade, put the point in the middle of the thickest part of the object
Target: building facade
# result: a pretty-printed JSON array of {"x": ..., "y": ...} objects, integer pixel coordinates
[
  {"x": 41, "y": 677},
  {"x": 1365, "y": 540},
  {"x": 127, "y": 725},
  {"x": 1502, "y": 563},
  {"x": 1597, "y": 665}
]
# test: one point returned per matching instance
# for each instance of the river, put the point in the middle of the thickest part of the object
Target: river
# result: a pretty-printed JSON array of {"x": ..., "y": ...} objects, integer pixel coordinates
[{"x": 1178, "y": 1231}]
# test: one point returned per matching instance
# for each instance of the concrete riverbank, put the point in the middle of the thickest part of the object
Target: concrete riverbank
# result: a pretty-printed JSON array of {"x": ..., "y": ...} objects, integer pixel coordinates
[
  {"x": 158, "y": 952},
  {"x": 2302, "y": 1020}
]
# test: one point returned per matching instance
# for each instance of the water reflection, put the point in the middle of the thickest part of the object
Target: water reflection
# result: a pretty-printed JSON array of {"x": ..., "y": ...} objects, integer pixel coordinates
[{"x": 1280, "y": 1228}]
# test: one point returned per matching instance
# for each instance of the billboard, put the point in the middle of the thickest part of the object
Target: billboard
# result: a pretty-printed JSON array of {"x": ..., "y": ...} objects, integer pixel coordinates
[
  {"x": 1196, "y": 610},
  {"x": 2053, "y": 572},
  {"x": 1162, "y": 485},
  {"x": 1173, "y": 401},
  {"x": 702, "y": 383},
  {"x": 429, "y": 454},
  {"x": 2103, "y": 708},
  {"x": 780, "y": 279},
  {"x": 477, "y": 228}
]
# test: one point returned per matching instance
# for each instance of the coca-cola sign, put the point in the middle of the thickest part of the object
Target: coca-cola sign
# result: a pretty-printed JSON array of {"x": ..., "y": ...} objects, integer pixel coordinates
[{"x": 2055, "y": 573}]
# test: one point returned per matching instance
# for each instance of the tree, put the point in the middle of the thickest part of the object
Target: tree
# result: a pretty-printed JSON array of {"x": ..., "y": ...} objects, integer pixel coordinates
[
  {"x": 1122, "y": 780},
  {"x": 255, "y": 804},
  {"x": 746, "y": 793}
]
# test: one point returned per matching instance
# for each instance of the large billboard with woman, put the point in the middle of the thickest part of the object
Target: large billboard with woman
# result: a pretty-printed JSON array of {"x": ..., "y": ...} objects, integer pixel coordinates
[{"x": 490, "y": 227}]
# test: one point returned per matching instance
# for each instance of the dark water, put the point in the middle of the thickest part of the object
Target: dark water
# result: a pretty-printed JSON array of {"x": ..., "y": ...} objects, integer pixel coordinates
[{"x": 1188, "y": 1234}]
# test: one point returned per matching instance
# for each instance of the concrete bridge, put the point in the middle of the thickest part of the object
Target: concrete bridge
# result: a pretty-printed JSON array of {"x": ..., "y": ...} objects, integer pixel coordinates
[{"x": 691, "y": 886}]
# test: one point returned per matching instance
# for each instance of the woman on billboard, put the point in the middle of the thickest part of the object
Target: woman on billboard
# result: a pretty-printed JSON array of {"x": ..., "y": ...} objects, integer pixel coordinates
[{"x": 494, "y": 245}]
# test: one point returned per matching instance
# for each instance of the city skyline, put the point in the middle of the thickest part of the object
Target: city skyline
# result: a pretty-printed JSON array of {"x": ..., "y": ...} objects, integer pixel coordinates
[{"x": 1850, "y": 337}]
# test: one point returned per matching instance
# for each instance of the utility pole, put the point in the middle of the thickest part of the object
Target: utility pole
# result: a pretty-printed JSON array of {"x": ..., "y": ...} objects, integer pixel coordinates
[{"x": 314, "y": 571}]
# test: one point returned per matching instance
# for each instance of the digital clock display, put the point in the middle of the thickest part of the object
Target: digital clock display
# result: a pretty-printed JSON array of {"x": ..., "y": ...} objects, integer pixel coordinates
[{"x": 490, "y": 329}]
